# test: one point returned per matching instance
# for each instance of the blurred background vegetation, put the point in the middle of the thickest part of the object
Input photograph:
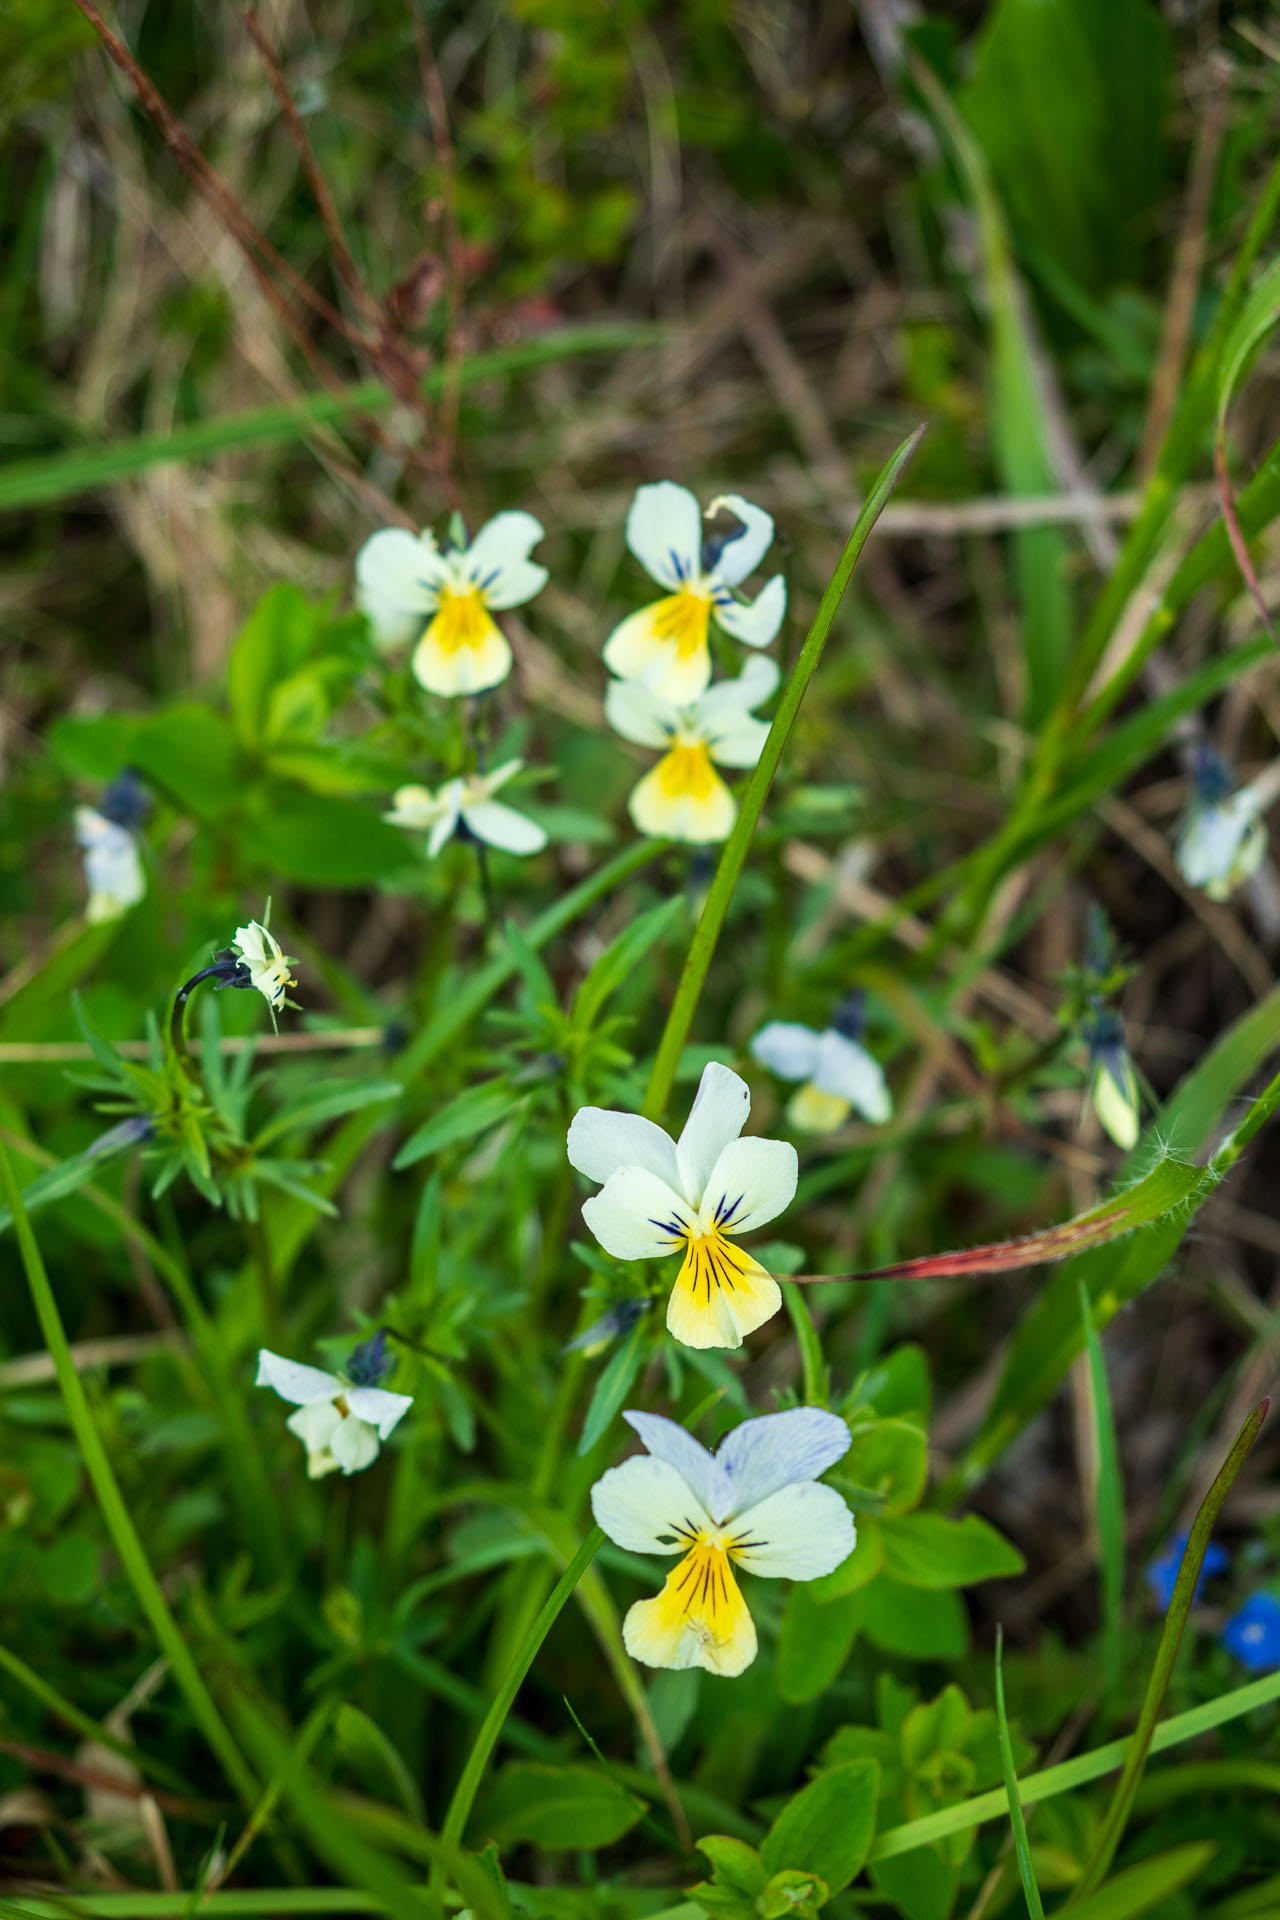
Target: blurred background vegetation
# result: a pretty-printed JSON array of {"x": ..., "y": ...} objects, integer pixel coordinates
[{"x": 748, "y": 245}]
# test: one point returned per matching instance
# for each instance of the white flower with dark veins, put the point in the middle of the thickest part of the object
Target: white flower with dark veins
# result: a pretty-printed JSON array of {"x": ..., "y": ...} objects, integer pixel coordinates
[
  {"x": 452, "y": 593},
  {"x": 468, "y": 801},
  {"x": 754, "y": 1503},
  {"x": 341, "y": 1426},
  {"x": 268, "y": 964},
  {"x": 692, "y": 1196},
  {"x": 683, "y": 797},
  {"x": 839, "y": 1075},
  {"x": 664, "y": 644}
]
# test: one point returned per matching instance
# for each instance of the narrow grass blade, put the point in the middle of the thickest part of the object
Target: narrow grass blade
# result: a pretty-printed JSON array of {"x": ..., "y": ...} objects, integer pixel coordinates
[
  {"x": 707, "y": 932},
  {"x": 1138, "y": 1889},
  {"x": 1068, "y": 1774},
  {"x": 1108, "y": 1499},
  {"x": 114, "y": 1511},
  {"x": 1021, "y": 1847},
  {"x": 1166, "y": 1653}
]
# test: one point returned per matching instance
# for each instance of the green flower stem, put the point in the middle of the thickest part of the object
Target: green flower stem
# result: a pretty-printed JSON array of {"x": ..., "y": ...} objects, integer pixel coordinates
[
  {"x": 1166, "y": 1653},
  {"x": 707, "y": 932},
  {"x": 114, "y": 1511}
]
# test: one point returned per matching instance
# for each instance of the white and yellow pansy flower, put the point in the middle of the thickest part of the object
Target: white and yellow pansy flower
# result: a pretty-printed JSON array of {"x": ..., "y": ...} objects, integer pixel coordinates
[
  {"x": 754, "y": 1503},
  {"x": 112, "y": 868},
  {"x": 692, "y": 1196},
  {"x": 839, "y": 1075},
  {"x": 341, "y": 1425},
  {"x": 468, "y": 801},
  {"x": 664, "y": 645},
  {"x": 1223, "y": 837},
  {"x": 268, "y": 965},
  {"x": 456, "y": 590},
  {"x": 683, "y": 797}
]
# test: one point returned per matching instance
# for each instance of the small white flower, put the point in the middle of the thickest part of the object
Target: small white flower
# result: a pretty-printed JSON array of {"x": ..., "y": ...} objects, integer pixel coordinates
[
  {"x": 268, "y": 964},
  {"x": 457, "y": 590},
  {"x": 1113, "y": 1084},
  {"x": 665, "y": 644},
  {"x": 754, "y": 1501},
  {"x": 693, "y": 1195},
  {"x": 1222, "y": 843},
  {"x": 112, "y": 869},
  {"x": 683, "y": 797},
  {"x": 469, "y": 800},
  {"x": 341, "y": 1426},
  {"x": 839, "y": 1075}
]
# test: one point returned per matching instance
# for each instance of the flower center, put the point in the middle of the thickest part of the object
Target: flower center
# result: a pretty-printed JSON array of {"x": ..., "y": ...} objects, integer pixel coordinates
[
  {"x": 682, "y": 620},
  {"x": 712, "y": 1262},
  {"x": 687, "y": 771},
  {"x": 701, "y": 1593},
  {"x": 461, "y": 620}
]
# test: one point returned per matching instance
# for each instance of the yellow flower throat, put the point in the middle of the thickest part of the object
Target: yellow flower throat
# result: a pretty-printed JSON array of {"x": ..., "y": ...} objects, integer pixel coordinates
[
  {"x": 461, "y": 620},
  {"x": 682, "y": 618}
]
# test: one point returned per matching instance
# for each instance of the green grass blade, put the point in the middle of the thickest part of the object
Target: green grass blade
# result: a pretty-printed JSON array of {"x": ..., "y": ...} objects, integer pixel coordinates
[
  {"x": 114, "y": 1511},
  {"x": 1030, "y": 1891},
  {"x": 61, "y": 476},
  {"x": 1144, "y": 1886},
  {"x": 1166, "y": 1653},
  {"x": 707, "y": 932},
  {"x": 1108, "y": 1499}
]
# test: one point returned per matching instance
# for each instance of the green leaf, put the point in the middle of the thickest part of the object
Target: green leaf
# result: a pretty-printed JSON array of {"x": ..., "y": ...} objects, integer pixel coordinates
[
  {"x": 927, "y": 1624},
  {"x": 366, "y": 1747},
  {"x": 614, "y": 1384},
  {"x": 890, "y": 1459},
  {"x": 1137, "y": 1889},
  {"x": 928, "y": 1550},
  {"x": 920, "y": 1886},
  {"x": 329, "y": 1100},
  {"x": 272, "y": 645},
  {"x": 1030, "y": 1890},
  {"x": 325, "y": 841},
  {"x": 620, "y": 960},
  {"x": 801, "y": 1895},
  {"x": 815, "y": 1641},
  {"x": 734, "y": 1864},
  {"x": 862, "y": 1565},
  {"x": 556, "y": 1807},
  {"x": 191, "y": 752},
  {"x": 827, "y": 1828},
  {"x": 473, "y": 1112},
  {"x": 1068, "y": 100}
]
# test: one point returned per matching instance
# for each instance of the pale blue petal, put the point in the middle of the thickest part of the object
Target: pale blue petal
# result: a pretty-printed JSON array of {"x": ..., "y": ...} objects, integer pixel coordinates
[
  {"x": 701, "y": 1472},
  {"x": 778, "y": 1450}
]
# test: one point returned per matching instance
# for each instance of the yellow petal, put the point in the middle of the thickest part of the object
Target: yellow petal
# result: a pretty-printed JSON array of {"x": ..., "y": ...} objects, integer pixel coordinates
[
  {"x": 700, "y": 1618},
  {"x": 720, "y": 1294},
  {"x": 664, "y": 645},
  {"x": 684, "y": 798},
  {"x": 462, "y": 651},
  {"x": 810, "y": 1110}
]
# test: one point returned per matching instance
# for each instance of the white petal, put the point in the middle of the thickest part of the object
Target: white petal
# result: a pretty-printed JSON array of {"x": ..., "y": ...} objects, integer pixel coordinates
[
  {"x": 717, "y": 1116},
  {"x": 673, "y": 1444},
  {"x": 600, "y": 1142},
  {"x": 416, "y": 808},
  {"x": 754, "y": 622},
  {"x": 1116, "y": 1104},
  {"x": 669, "y": 805},
  {"x": 112, "y": 868},
  {"x": 381, "y": 1409},
  {"x": 636, "y": 1216},
  {"x": 743, "y": 554},
  {"x": 354, "y": 1445},
  {"x": 449, "y": 800},
  {"x": 787, "y": 1048},
  {"x": 757, "y": 681},
  {"x": 301, "y": 1385},
  {"x": 640, "y": 713},
  {"x": 315, "y": 1425},
  {"x": 664, "y": 646},
  {"x": 752, "y": 1182},
  {"x": 498, "y": 560},
  {"x": 802, "y": 1533},
  {"x": 401, "y": 569},
  {"x": 780, "y": 1450},
  {"x": 738, "y": 740},
  {"x": 846, "y": 1068},
  {"x": 664, "y": 531},
  {"x": 485, "y": 785},
  {"x": 503, "y": 827},
  {"x": 647, "y": 1506},
  {"x": 391, "y": 626}
]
